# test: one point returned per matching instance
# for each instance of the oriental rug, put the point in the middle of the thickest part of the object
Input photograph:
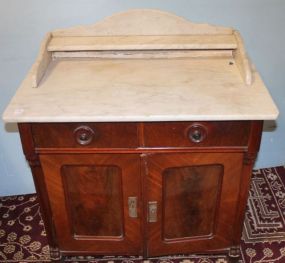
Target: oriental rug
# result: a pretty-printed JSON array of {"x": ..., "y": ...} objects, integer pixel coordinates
[{"x": 23, "y": 237}]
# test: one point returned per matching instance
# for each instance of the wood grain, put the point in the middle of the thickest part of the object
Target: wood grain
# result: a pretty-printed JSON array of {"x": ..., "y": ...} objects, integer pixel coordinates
[
  {"x": 249, "y": 161},
  {"x": 38, "y": 178},
  {"x": 65, "y": 200},
  {"x": 221, "y": 227},
  {"x": 190, "y": 197},
  {"x": 62, "y": 135},
  {"x": 198, "y": 202},
  {"x": 94, "y": 198},
  {"x": 176, "y": 134}
]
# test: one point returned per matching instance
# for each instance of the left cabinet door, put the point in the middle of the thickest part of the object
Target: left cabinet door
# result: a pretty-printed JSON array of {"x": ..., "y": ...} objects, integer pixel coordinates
[{"x": 95, "y": 201}]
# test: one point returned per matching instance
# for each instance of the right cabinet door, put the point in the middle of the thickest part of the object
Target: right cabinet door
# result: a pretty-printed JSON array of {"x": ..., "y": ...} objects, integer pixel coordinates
[{"x": 191, "y": 201}]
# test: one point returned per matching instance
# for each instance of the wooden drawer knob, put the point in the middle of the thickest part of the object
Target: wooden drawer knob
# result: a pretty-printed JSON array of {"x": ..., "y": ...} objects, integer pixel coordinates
[
  {"x": 197, "y": 133},
  {"x": 83, "y": 135}
]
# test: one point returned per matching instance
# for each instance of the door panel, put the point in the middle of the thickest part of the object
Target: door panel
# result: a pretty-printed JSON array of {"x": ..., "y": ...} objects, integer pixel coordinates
[
  {"x": 89, "y": 196},
  {"x": 94, "y": 198},
  {"x": 189, "y": 200},
  {"x": 196, "y": 197}
]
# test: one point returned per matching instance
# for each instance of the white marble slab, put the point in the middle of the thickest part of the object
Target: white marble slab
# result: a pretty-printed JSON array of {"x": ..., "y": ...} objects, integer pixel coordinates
[
  {"x": 111, "y": 90},
  {"x": 148, "y": 87},
  {"x": 143, "y": 22}
]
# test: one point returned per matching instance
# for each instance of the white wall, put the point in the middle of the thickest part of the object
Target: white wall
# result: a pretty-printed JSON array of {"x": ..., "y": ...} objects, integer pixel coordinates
[{"x": 24, "y": 23}]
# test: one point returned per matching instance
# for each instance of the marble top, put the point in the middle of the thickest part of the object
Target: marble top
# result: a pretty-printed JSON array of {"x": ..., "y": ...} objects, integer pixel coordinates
[
  {"x": 103, "y": 90},
  {"x": 200, "y": 84}
]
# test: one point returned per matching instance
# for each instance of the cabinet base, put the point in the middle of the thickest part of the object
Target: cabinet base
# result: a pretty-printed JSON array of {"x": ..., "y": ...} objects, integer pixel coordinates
[
  {"x": 234, "y": 254},
  {"x": 55, "y": 255}
]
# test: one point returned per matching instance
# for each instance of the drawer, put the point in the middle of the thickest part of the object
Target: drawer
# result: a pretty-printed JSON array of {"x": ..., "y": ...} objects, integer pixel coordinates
[
  {"x": 196, "y": 134},
  {"x": 92, "y": 135}
]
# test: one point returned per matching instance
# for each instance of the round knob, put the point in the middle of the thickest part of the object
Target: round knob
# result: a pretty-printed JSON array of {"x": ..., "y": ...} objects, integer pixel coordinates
[
  {"x": 197, "y": 133},
  {"x": 84, "y": 135}
]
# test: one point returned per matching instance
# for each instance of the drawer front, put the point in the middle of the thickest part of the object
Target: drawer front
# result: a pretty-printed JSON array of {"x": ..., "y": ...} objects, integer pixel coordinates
[
  {"x": 196, "y": 134},
  {"x": 90, "y": 135}
]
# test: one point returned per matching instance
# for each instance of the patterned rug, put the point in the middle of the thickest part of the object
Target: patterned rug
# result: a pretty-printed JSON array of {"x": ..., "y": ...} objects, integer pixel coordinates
[
  {"x": 264, "y": 225},
  {"x": 23, "y": 238}
]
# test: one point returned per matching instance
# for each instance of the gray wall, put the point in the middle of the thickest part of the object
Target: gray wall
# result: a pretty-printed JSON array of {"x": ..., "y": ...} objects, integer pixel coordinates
[{"x": 24, "y": 23}]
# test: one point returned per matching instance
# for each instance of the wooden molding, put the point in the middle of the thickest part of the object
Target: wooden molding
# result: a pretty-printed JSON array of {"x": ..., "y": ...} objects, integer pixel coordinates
[
  {"x": 249, "y": 158},
  {"x": 55, "y": 254}
]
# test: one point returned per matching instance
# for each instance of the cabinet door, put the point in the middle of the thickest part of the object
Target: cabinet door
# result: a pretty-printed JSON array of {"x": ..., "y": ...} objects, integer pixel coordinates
[
  {"x": 191, "y": 201},
  {"x": 95, "y": 201}
]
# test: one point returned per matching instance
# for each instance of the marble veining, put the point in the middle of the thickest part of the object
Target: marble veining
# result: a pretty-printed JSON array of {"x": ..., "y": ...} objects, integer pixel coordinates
[
  {"x": 141, "y": 90},
  {"x": 152, "y": 88}
]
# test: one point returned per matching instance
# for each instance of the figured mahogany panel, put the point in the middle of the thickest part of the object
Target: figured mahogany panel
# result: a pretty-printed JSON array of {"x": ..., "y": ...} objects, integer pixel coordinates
[
  {"x": 189, "y": 201},
  {"x": 186, "y": 134},
  {"x": 94, "y": 197},
  {"x": 190, "y": 196},
  {"x": 89, "y": 196},
  {"x": 78, "y": 135}
]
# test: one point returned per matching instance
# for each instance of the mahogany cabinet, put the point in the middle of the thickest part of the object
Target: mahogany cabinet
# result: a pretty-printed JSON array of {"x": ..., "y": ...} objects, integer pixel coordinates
[
  {"x": 141, "y": 132},
  {"x": 149, "y": 188}
]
